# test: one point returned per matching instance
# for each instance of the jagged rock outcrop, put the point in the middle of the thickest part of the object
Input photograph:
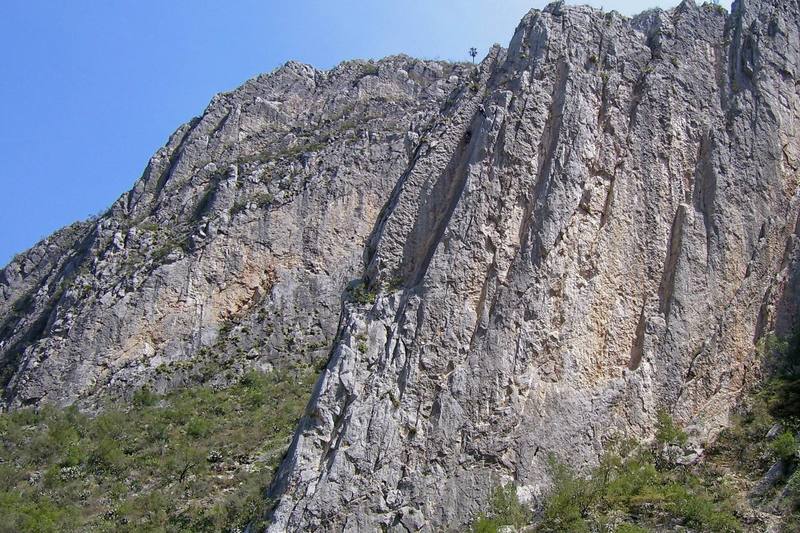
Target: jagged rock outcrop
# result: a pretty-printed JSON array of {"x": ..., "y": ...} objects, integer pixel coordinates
[
  {"x": 604, "y": 227},
  {"x": 232, "y": 251},
  {"x": 524, "y": 258}
]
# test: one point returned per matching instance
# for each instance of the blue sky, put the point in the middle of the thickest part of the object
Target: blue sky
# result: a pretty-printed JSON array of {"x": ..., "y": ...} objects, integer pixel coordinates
[{"x": 90, "y": 89}]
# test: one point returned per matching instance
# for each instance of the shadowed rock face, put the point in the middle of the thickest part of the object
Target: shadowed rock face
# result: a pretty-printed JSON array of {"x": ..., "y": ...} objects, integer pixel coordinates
[
  {"x": 232, "y": 251},
  {"x": 596, "y": 223},
  {"x": 603, "y": 228}
]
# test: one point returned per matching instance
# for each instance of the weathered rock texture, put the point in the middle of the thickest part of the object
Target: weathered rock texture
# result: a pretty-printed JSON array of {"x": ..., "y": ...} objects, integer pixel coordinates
[
  {"x": 596, "y": 223},
  {"x": 232, "y": 251},
  {"x": 602, "y": 228}
]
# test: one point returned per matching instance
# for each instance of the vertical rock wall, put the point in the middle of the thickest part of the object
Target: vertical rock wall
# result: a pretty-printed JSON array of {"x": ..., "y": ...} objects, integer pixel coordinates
[{"x": 602, "y": 227}]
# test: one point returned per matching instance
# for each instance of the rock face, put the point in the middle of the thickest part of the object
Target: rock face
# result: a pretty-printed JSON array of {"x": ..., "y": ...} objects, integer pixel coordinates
[
  {"x": 525, "y": 258},
  {"x": 232, "y": 251},
  {"x": 602, "y": 228}
]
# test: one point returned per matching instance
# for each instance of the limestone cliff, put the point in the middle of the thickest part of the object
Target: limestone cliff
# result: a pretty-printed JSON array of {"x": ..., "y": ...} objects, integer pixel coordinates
[
  {"x": 233, "y": 249},
  {"x": 499, "y": 263},
  {"x": 603, "y": 227}
]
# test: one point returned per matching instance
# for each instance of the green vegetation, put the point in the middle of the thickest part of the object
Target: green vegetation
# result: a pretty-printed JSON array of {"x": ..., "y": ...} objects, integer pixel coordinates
[
  {"x": 363, "y": 295},
  {"x": 168, "y": 239},
  {"x": 162, "y": 252},
  {"x": 635, "y": 488},
  {"x": 642, "y": 488},
  {"x": 667, "y": 432},
  {"x": 307, "y": 146},
  {"x": 205, "y": 201},
  {"x": 23, "y": 303},
  {"x": 238, "y": 207},
  {"x": 198, "y": 459},
  {"x": 784, "y": 447},
  {"x": 505, "y": 510},
  {"x": 394, "y": 284},
  {"x": 263, "y": 199},
  {"x": 149, "y": 226},
  {"x": 763, "y": 433},
  {"x": 367, "y": 69}
]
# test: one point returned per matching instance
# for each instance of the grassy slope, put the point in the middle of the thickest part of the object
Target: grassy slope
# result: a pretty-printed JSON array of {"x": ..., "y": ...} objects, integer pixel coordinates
[{"x": 194, "y": 460}]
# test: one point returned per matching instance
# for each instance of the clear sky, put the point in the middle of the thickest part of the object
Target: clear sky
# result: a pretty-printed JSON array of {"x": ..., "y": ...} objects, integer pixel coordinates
[{"x": 89, "y": 89}]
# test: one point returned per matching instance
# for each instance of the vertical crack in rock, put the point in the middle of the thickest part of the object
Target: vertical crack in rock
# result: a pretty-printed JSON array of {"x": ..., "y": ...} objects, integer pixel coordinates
[
  {"x": 667, "y": 287},
  {"x": 637, "y": 350},
  {"x": 434, "y": 213}
]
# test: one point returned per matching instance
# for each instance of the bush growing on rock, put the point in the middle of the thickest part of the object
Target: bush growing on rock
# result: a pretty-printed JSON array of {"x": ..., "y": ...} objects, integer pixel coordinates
[
  {"x": 363, "y": 295},
  {"x": 632, "y": 489},
  {"x": 505, "y": 509},
  {"x": 628, "y": 485},
  {"x": 667, "y": 432},
  {"x": 784, "y": 447}
]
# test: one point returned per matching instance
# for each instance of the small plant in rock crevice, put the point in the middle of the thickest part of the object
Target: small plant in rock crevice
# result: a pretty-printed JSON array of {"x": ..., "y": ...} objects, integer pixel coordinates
[{"x": 363, "y": 295}]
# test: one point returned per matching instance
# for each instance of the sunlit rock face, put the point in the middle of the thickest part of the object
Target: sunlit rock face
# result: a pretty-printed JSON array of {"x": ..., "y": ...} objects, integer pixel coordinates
[
  {"x": 602, "y": 225},
  {"x": 233, "y": 249},
  {"x": 499, "y": 263}
]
